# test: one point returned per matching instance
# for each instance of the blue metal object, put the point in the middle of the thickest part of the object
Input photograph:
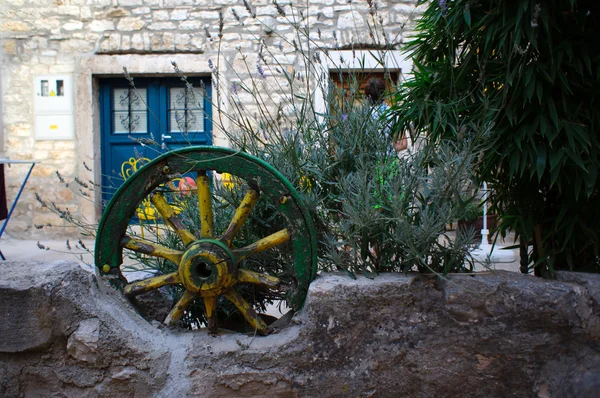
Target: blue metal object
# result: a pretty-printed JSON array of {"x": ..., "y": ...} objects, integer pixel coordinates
[{"x": 12, "y": 208}]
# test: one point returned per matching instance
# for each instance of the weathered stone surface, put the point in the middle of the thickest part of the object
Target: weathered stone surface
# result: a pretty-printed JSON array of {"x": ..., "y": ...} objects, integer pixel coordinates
[
  {"x": 83, "y": 343},
  {"x": 26, "y": 312},
  {"x": 14, "y": 26},
  {"x": 63, "y": 333},
  {"x": 350, "y": 20},
  {"x": 130, "y": 24},
  {"x": 492, "y": 335},
  {"x": 101, "y": 25}
]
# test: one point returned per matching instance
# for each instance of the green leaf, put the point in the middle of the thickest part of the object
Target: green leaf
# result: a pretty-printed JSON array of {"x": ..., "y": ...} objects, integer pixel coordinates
[
  {"x": 467, "y": 15},
  {"x": 590, "y": 179},
  {"x": 578, "y": 185},
  {"x": 525, "y": 163},
  {"x": 541, "y": 161},
  {"x": 569, "y": 233},
  {"x": 513, "y": 164},
  {"x": 552, "y": 111},
  {"x": 510, "y": 115},
  {"x": 570, "y": 259},
  {"x": 518, "y": 142},
  {"x": 588, "y": 63},
  {"x": 529, "y": 86},
  {"x": 555, "y": 157},
  {"x": 519, "y": 16},
  {"x": 554, "y": 174},
  {"x": 575, "y": 157},
  {"x": 561, "y": 215},
  {"x": 581, "y": 135},
  {"x": 539, "y": 91}
]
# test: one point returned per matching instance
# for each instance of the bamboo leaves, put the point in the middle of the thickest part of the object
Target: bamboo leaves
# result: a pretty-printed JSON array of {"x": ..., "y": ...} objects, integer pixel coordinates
[{"x": 535, "y": 79}]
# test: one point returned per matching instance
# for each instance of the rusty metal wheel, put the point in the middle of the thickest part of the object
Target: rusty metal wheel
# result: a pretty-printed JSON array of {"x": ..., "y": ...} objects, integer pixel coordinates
[{"x": 210, "y": 265}]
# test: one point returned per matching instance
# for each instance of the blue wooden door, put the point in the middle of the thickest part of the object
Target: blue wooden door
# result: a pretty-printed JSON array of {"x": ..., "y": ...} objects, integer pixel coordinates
[{"x": 142, "y": 122}]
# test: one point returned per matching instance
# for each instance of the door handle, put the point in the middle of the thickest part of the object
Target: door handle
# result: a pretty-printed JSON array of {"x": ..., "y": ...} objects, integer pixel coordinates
[{"x": 164, "y": 137}]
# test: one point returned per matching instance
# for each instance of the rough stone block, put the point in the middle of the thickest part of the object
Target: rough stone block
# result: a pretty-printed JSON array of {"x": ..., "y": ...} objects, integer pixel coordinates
[
  {"x": 160, "y": 15},
  {"x": 178, "y": 3},
  {"x": 10, "y": 47},
  {"x": 141, "y": 10},
  {"x": 205, "y": 15},
  {"x": 179, "y": 14},
  {"x": 129, "y": 3},
  {"x": 71, "y": 315},
  {"x": 125, "y": 43},
  {"x": 182, "y": 41},
  {"x": 190, "y": 25},
  {"x": 351, "y": 20},
  {"x": 116, "y": 13},
  {"x": 161, "y": 26},
  {"x": 101, "y": 25},
  {"x": 137, "y": 41},
  {"x": 83, "y": 343},
  {"x": 130, "y": 24},
  {"x": 76, "y": 25},
  {"x": 25, "y": 307},
  {"x": 85, "y": 14},
  {"x": 14, "y": 26},
  {"x": 68, "y": 10}
]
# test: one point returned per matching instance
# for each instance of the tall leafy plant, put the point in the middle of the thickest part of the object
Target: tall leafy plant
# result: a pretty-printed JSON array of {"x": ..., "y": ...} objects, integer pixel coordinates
[{"x": 528, "y": 70}]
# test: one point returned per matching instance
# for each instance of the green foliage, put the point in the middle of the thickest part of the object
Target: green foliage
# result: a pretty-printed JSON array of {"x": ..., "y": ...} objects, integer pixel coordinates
[
  {"x": 373, "y": 211},
  {"x": 472, "y": 211},
  {"x": 528, "y": 70}
]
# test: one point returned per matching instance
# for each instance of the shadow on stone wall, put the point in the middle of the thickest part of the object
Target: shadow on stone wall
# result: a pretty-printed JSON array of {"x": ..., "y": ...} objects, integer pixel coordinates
[{"x": 65, "y": 333}]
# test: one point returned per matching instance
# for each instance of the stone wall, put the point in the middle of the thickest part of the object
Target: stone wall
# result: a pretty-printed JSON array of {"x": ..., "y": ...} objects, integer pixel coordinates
[
  {"x": 63, "y": 332},
  {"x": 92, "y": 38}
]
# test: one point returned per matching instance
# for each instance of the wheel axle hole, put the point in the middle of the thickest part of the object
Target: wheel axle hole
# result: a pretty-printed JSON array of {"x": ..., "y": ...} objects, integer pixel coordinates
[{"x": 203, "y": 270}]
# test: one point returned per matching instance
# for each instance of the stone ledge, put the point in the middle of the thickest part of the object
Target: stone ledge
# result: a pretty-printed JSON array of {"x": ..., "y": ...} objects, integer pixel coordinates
[{"x": 62, "y": 331}]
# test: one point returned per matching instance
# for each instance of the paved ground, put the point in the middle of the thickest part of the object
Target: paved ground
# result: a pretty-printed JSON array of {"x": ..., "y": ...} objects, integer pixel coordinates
[
  {"x": 499, "y": 254},
  {"x": 18, "y": 249}
]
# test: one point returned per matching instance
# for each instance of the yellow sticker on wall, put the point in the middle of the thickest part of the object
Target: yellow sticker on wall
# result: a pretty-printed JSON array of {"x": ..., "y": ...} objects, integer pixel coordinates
[{"x": 53, "y": 127}]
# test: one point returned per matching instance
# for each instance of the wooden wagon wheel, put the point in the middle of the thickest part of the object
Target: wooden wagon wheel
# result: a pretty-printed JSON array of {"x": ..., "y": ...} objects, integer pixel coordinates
[{"x": 210, "y": 265}]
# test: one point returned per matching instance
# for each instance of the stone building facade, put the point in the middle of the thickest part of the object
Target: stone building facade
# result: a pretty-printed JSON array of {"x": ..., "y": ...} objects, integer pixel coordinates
[{"x": 70, "y": 48}]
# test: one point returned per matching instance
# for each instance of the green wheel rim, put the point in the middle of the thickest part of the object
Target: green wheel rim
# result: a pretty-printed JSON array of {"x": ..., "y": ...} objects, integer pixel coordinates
[{"x": 272, "y": 184}]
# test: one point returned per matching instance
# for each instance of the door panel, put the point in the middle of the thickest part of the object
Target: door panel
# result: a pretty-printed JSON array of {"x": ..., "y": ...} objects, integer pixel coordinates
[
  {"x": 156, "y": 115},
  {"x": 185, "y": 115}
]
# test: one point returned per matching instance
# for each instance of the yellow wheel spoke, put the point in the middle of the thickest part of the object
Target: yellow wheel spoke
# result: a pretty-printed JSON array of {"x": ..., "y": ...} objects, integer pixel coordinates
[
  {"x": 266, "y": 243},
  {"x": 151, "y": 248},
  {"x": 241, "y": 215},
  {"x": 210, "y": 307},
  {"x": 258, "y": 279},
  {"x": 168, "y": 214},
  {"x": 179, "y": 309},
  {"x": 139, "y": 287},
  {"x": 205, "y": 205},
  {"x": 246, "y": 309}
]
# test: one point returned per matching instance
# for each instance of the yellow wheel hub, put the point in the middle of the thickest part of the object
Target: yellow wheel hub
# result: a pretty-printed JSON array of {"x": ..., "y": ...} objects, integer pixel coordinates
[{"x": 208, "y": 268}]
